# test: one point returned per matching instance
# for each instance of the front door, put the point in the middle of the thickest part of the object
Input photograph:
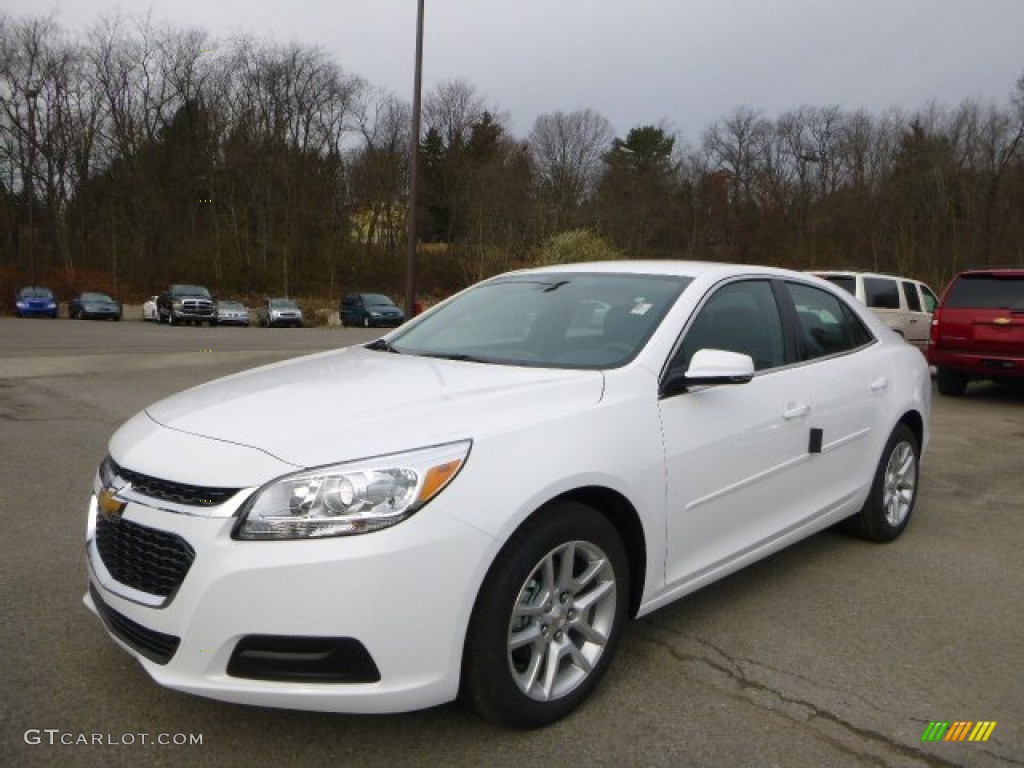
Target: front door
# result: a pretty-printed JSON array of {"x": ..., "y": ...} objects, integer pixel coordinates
[{"x": 735, "y": 454}]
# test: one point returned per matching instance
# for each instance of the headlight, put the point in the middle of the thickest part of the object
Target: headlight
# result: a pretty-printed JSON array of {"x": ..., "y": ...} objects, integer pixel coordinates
[{"x": 351, "y": 498}]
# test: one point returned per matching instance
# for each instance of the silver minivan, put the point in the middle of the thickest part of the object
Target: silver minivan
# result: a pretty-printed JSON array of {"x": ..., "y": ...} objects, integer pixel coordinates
[{"x": 904, "y": 304}]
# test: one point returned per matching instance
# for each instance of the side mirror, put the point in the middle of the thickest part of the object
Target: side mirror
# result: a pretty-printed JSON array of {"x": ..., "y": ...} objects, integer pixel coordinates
[{"x": 709, "y": 367}]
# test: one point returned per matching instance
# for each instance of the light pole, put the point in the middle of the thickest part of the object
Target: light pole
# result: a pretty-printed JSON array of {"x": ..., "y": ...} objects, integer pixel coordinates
[
  {"x": 30, "y": 194},
  {"x": 414, "y": 163}
]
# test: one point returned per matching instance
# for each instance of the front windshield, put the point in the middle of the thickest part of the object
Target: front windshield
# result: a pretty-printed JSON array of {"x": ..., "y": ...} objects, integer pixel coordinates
[
  {"x": 190, "y": 290},
  {"x": 36, "y": 293},
  {"x": 97, "y": 297},
  {"x": 557, "y": 320},
  {"x": 377, "y": 300},
  {"x": 230, "y": 304},
  {"x": 282, "y": 304}
]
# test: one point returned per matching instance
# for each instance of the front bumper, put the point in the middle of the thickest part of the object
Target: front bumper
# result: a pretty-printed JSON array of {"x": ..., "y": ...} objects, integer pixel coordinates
[
  {"x": 37, "y": 310},
  {"x": 404, "y": 594},
  {"x": 101, "y": 314}
]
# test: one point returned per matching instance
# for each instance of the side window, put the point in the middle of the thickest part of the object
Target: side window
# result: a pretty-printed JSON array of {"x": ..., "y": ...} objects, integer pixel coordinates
[
  {"x": 827, "y": 325},
  {"x": 930, "y": 300},
  {"x": 880, "y": 293},
  {"x": 910, "y": 291},
  {"x": 739, "y": 317}
]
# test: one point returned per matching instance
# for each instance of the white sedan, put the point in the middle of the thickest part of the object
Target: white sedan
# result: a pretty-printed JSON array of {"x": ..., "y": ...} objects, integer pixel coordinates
[
  {"x": 149, "y": 311},
  {"x": 474, "y": 505}
]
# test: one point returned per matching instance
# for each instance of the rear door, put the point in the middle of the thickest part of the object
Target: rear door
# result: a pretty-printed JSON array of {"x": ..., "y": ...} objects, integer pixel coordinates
[{"x": 848, "y": 388}]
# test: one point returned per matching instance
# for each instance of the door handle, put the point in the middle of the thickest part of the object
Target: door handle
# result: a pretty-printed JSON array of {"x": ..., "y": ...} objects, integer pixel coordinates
[
  {"x": 879, "y": 384},
  {"x": 796, "y": 410}
]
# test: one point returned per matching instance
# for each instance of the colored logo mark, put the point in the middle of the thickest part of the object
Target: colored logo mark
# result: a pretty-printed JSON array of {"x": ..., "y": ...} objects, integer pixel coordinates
[{"x": 959, "y": 730}]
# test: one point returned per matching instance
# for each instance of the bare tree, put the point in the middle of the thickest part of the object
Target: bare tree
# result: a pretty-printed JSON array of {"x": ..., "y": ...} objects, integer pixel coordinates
[{"x": 566, "y": 149}]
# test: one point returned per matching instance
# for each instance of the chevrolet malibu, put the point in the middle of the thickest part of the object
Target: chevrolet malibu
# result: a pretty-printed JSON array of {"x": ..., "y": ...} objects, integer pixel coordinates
[{"x": 475, "y": 504}]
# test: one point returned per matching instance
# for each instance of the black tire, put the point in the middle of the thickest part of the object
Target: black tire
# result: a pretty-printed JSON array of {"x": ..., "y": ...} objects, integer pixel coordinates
[
  {"x": 890, "y": 504},
  {"x": 366, "y": 321},
  {"x": 495, "y": 675},
  {"x": 170, "y": 318},
  {"x": 951, "y": 383}
]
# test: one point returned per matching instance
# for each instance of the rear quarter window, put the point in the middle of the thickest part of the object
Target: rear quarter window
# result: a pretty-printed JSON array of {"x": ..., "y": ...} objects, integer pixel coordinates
[{"x": 880, "y": 293}]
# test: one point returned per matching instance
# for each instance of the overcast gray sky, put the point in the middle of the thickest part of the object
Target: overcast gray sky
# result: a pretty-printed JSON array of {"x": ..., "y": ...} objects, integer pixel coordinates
[{"x": 683, "y": 63}]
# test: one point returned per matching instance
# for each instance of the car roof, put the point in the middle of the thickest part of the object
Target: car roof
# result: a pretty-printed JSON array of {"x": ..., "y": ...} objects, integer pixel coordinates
[
  {"x": 994, "y": 271},
  {"x": 854, "y": 273},
  {"x": 694, "y": 269}
]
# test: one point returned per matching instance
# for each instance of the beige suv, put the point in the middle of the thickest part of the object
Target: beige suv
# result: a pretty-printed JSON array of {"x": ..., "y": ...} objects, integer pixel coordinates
[{"x": 904, "y": 305}]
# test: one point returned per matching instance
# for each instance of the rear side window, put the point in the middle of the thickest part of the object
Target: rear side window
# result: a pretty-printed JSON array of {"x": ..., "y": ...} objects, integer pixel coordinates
[
  {"x": 910, "y": 291},
  {"x": 880, "y": 293},
  {"x": 847, "y": 282},
  {"x": 987, "y": 292},
  {"x": 827, "y": 325}
]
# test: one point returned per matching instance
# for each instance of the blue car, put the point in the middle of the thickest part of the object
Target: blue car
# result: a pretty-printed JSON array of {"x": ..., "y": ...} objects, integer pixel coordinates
[{"x": 33, "y": 300}]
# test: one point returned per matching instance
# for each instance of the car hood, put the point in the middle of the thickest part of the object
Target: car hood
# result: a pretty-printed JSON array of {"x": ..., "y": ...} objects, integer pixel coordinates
[{"x": 354, "y": 403}]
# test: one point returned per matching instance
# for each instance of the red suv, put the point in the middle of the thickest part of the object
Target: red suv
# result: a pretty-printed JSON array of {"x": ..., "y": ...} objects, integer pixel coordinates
[{"x": 978, "y": 329}]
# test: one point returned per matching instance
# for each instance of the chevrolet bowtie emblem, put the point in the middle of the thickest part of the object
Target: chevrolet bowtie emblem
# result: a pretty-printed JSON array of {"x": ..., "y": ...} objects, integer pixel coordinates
[
  {"x": 108, "y": 504},
  {"x": 1002, "y": 321}
]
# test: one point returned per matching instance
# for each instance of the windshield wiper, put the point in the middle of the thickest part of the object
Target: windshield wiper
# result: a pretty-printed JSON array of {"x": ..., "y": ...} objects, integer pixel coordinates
[
  {"x": 457, "y": 356},
  {"x": 383, "y": 345}
]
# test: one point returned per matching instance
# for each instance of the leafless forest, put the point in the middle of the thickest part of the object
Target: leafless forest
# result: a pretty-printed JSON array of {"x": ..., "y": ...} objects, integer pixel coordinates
[{"x": 135, "y": 154}]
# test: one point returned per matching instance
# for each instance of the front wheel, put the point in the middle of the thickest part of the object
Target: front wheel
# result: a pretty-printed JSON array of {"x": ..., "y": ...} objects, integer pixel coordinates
[
  {"x": 548, "y": 618},
  {"x": 893, "y": 492}
]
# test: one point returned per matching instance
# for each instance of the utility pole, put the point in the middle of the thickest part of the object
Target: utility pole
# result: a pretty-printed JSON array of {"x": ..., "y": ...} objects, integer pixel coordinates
[
  {"x": 30, "y": 96},
  {"x": 414, "y": 162}
]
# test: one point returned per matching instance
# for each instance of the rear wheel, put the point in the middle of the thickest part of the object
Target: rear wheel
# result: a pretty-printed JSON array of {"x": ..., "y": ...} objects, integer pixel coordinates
[
  {"x": 548, "y": 618},
  {"x": 893, "y": 492},
  {"x": 951, "y": 383}
]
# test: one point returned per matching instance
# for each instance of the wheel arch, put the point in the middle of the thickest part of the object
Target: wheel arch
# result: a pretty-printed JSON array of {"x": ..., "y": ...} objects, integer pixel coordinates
[
  {"x": 915, "y": 422},
  {"x": 623, "y": 515}
]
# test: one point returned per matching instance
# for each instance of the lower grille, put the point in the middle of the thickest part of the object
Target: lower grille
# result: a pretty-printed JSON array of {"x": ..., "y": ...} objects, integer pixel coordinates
[
  {"x": 143, "y": 558},
  {"x": 155, "y": 646}
]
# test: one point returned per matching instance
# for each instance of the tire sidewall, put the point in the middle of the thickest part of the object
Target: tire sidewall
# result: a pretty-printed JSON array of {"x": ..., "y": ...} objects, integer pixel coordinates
[
  {"x": 879, "y": 528},
  {"x": 488, "y": 685}
]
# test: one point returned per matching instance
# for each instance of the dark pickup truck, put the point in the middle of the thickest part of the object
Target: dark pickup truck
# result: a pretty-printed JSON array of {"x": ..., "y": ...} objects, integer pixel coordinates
[{"x": 181, "y": 304}]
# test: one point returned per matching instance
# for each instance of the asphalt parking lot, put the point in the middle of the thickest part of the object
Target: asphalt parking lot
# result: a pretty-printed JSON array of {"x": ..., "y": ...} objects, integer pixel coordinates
[{"x": 834, "y": 652}]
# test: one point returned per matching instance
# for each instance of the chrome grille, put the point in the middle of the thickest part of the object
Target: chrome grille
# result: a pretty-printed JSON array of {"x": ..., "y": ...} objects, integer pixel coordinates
[{"x": 168, "y": 490}]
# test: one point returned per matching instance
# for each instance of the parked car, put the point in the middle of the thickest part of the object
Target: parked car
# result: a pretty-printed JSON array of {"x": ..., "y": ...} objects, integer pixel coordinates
[
  {"x": 279, "y": 313},
  {"x": 34, "y": 301},
  {"x": 370, "y": 310},
  {"x": 183, "y": 303},
  {"x": 94, "y": 306},
  {"x": 474, "y": 504},
  {"x": 904, "y": 304},
  {"x": 232, "y": 313},
  {"x": 149, "y": 311},
  {"x": 977, "y": 331}
]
